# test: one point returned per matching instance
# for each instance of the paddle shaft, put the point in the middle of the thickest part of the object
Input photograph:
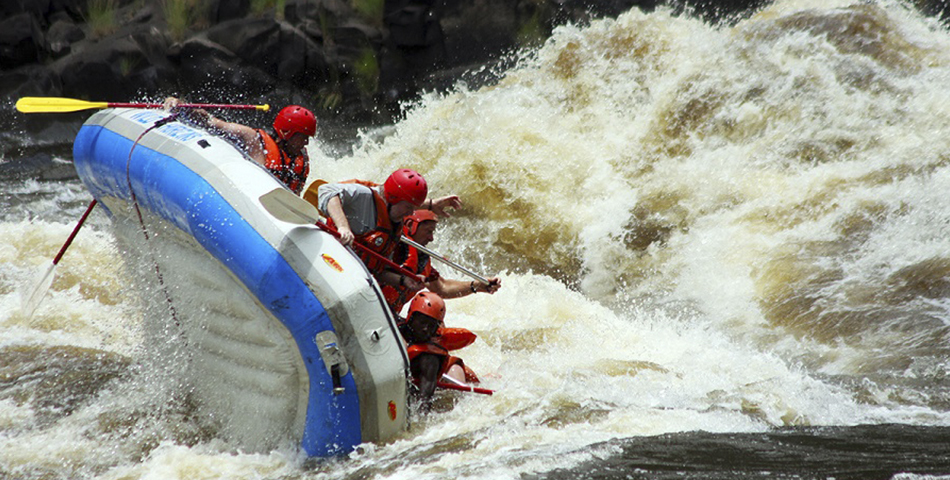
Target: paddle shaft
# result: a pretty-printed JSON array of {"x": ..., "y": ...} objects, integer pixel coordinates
[
  {"x": 453, "y": 384},
  {"x": 72, "y": 235},
  {"x": 368, "y": 250},
  {"x": 35, "y": 295},
  {"x": 436, "y": 255},
  {"x": 218, "y": 106},
  {"x": 465, "y": 388}
]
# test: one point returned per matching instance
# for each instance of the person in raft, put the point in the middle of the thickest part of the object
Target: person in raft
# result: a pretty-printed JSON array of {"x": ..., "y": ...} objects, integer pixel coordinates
[
  {"x": 429, "y": 361},
  {"x": 420, "y": 227},
  {"x": 283, "y": 151},
  {"x": 372, "y": 213}
]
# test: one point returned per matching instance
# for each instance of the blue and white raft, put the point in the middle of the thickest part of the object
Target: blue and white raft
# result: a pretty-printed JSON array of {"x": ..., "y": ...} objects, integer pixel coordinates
[{"x": 279, "y": 333}]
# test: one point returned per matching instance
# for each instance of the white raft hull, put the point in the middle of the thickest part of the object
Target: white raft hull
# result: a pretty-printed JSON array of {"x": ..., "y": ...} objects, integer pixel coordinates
[{"x": 266, "y": 313}]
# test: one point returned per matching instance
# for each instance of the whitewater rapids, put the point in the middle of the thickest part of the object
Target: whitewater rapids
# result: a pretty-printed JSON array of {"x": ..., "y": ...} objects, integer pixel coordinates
[{"x": 719, "y": 228}]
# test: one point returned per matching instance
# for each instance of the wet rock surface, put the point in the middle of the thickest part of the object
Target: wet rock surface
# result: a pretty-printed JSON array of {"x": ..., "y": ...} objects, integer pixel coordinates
[{"x": 340, "y": 58}]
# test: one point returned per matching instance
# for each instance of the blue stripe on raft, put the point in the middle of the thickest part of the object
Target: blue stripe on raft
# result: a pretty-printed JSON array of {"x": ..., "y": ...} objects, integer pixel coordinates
[{"x": 167, "y": 188}]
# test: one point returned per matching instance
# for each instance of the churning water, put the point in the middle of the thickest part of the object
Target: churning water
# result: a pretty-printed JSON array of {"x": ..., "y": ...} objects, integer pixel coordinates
[{"x": 725, "y": 253}]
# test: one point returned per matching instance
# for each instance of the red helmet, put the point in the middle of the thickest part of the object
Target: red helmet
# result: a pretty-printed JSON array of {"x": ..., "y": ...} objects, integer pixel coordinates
[
  {"x": 427, "y": 303},
  {"x": 295, "y": 119},
  {"x": 405, "y": 184},
  {"x": 411, "y": 223}
]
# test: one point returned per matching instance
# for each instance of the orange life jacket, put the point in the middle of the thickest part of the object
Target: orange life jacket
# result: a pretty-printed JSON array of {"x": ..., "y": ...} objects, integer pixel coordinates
[
  {"x": 455, "y": 338},
  {"x": 381, "y": 239},
  {"x": 446, "y": 339},
  {"x": 416, "y": 262},
  {"x": 292, "y": 172}
]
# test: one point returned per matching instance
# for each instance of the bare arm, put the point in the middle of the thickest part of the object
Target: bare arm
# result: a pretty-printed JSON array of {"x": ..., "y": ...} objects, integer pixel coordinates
[
  {"x": 427, "y": 368},
  {"x": 390, "y": 278},
  {"x": 449, "y": 288},
  {"x": 335, "y": 210},
  {"x": 246, "y": 136}
]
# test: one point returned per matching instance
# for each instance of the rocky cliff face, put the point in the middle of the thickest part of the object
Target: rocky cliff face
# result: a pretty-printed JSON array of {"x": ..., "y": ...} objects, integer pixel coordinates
[
  {"x": 335, "y": 55},
  {"x": 352, "y": 58}
]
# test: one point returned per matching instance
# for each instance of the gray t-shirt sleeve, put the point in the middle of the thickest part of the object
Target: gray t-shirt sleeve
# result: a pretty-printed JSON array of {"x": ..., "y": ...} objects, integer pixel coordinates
[{"x": 358, "y": 204}]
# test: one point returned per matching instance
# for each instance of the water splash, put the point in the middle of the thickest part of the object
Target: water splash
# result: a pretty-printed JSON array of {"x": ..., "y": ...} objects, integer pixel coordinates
[{"x": 720, "y": 228}]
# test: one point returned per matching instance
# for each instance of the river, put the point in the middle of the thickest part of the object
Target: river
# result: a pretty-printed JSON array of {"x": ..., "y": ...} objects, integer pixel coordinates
[{"x": 725, "y": 253}]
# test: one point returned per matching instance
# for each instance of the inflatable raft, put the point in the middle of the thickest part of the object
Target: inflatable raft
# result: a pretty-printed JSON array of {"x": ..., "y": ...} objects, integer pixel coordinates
[{"x": 283, "y": 334}]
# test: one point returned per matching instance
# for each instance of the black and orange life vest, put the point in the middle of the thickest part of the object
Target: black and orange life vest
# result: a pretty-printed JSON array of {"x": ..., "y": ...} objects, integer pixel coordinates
[
  {"x": 381, "y": 239},
  {"x": 446, "y": 360},
  {"x": 292, "y": 172},
  {"x": 416, "y": 262}
]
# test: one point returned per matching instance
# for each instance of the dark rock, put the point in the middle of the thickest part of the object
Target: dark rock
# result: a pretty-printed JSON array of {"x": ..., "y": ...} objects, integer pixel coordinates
[
  {"x": 38, "y": 8},
  {"x": 299, "y": 11},
  {"x": 254, "y": 40},
  {"x": 101, "y": 71},
  {"x": 153, "y": 43},
  {"x": 74, "y": 8},
  {"x": 61, "y": 35},
  {"x": 199, "y": 49},
  {"x": 336, "y": 9},
  {"x": 300, "y": 59},
  {"x": 479, "y": 31},
  {"x": 9, "y": 8},
  {"x": 18, "y": 40},
  {"x": 59, "y": 16},
  {"x": 276, "y": 48},
  {"x": 312, "y": 29},
  {"x": 224, "y": 10},
  {"x": 332, "y": 11},
  {"x": 320, "y": 53},
  {"x": 132, "y": 59},
  {"x": 145, "y": 81},
  {"x": 207, "y": 69},
  {"x": 144, "y": 14},
  {"x": 201, "y": 61},
  {"x": 352, "y": 38},
  {"x": 355, "y": 29},
  {"x": 82, "y": 77},
  {"x": 30, "y": 80},
  {"x": 412, "y": 23}
]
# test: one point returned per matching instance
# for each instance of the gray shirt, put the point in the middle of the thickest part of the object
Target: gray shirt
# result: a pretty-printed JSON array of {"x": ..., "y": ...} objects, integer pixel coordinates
[{"x": 358, "y": 204}]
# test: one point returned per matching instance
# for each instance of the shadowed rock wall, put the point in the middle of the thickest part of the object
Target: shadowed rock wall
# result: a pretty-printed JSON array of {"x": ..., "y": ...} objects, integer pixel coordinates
[{"x": 355, "y": 59}]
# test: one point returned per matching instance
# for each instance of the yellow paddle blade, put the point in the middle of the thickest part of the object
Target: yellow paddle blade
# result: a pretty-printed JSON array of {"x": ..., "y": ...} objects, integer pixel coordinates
[{"x": 55, "y": 105}]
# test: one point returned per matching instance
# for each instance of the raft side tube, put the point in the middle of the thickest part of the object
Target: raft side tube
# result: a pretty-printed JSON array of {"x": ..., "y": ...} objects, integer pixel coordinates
[{"x": 205, "y": 188}]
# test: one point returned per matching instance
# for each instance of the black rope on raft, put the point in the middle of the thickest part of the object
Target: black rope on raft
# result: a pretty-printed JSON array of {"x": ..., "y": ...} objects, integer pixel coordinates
[{"x": 138, "y": 212}]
